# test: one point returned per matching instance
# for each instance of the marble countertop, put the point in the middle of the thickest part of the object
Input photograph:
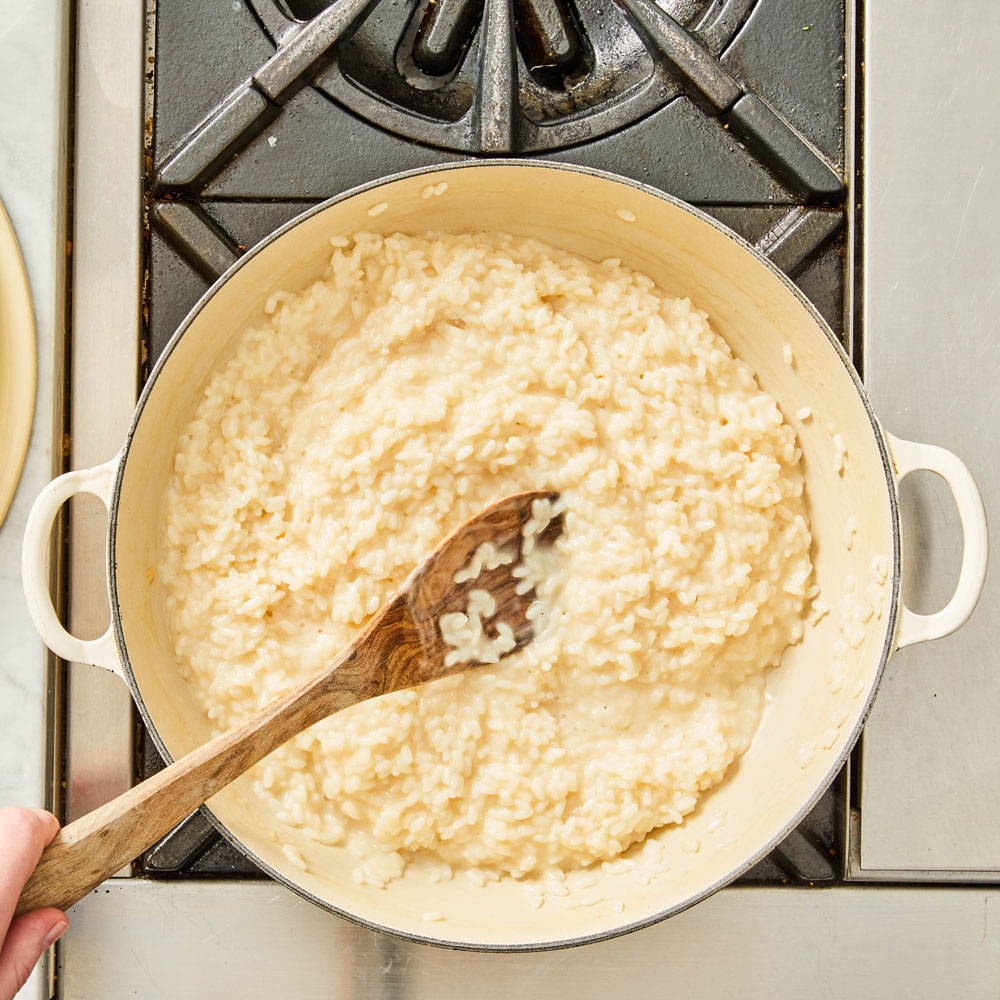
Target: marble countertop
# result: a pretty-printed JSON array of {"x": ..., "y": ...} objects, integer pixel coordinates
[{"x": 32, "y": 46}]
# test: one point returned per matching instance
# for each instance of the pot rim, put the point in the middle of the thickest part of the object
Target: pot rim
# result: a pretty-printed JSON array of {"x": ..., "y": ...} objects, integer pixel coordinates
[{"x": 888, "y": 645}]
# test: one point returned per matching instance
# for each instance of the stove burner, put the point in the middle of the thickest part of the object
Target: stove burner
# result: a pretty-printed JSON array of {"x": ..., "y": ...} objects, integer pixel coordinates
[
  {"x": 502, "y": 76},
  {"x": 548, "y": 34}
]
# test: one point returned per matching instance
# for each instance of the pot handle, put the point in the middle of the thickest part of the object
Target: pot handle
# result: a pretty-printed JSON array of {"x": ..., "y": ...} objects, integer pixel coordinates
[
  {"x": 910, "y": 456},
  {"x": 99, "y": 481}
]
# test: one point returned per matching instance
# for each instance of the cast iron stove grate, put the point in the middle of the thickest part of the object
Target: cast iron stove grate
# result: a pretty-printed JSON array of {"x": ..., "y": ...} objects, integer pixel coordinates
[{"x": 744, "y": 98}]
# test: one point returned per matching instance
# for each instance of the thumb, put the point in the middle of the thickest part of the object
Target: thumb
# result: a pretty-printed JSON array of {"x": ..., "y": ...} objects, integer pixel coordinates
[{"x": 29, "y": 935}]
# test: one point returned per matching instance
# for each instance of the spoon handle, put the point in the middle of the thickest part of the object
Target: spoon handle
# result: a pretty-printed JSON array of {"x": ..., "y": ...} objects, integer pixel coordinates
[{"x": 91, "y": 849}]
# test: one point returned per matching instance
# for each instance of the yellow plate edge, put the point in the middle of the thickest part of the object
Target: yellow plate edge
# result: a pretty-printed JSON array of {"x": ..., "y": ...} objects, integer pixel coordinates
[{"x": 18, "y": 370}]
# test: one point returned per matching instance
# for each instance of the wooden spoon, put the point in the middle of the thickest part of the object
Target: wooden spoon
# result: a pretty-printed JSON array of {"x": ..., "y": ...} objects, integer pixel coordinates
[{"x": 399, "y": 648}]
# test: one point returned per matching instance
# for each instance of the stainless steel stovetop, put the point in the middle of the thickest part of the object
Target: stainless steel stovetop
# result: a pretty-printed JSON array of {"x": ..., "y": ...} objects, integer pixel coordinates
[{"x": 237, "y": 115}]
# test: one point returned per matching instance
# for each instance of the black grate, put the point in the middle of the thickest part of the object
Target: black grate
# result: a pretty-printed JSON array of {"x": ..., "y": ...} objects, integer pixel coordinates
[
  {"x": 259, "y": 112},
  {"x": 751, "y": 112}
]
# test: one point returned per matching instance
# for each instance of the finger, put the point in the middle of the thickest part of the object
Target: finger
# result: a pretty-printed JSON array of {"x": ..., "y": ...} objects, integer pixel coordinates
[
  {"x": 23, "y": 836},
  {"x": 29, "y": 935}
]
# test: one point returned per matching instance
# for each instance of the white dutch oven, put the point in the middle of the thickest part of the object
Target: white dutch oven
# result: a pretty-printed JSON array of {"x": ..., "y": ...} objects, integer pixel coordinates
[{"x": 813, "y": 716}]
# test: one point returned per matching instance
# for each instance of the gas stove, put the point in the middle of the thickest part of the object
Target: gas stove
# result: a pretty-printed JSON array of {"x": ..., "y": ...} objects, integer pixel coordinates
[
  {"x": 250, "y": 111},
  {"x": 653, "y": 92}
]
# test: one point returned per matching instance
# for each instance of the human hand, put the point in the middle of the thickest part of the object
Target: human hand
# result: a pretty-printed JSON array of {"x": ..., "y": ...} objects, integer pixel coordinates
[{"x": 23, "y": 835}]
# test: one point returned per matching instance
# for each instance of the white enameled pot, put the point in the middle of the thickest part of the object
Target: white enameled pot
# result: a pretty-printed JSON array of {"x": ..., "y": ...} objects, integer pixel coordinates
[{"x": 815, "y": 711}]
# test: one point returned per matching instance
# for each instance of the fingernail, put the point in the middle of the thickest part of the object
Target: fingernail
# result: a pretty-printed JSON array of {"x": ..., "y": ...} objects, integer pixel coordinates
[
  {"x": 44, "y": 813},
  {"x": 56, "y": 932}
]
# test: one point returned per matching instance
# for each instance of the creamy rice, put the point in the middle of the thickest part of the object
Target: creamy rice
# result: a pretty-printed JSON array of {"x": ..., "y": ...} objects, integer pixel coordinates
[{"x": 422, "y": 379}]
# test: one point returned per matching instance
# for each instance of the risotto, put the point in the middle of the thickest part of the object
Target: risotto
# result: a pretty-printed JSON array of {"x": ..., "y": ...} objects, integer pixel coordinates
[{"x": 351, "y": 430}]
